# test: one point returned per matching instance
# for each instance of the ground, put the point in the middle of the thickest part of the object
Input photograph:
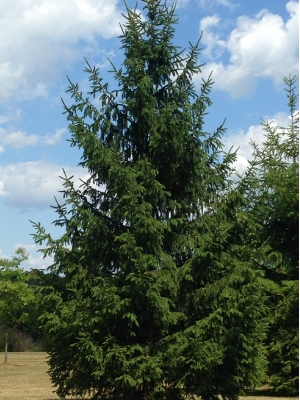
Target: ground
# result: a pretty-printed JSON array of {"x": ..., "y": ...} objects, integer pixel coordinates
[{"x": 25, "y": 377}]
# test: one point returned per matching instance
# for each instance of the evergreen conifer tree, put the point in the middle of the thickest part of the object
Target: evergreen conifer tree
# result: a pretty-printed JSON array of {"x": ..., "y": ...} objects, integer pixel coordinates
[
  {"x": 271, "y": 186},
  {"x": 153, "y": 294}
]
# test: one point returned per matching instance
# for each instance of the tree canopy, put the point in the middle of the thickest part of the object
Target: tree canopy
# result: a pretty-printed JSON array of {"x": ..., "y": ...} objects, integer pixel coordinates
[
  {"x": 16, "y": 296},
  {"x": 14, "y": 290}
]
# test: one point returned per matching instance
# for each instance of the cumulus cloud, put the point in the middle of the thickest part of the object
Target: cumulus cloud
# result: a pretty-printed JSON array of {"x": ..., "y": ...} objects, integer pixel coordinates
[
  {"x": 20, "y": 139},
  {"x": 179, "y": 3},
  {"x": 262, "y": 47},
  {"x": 10, "y": 115},
  {"x": 256, "y": 134},
  {"x": 35, "y": 258},
  {"x": 214, "y": 46},
  {"x": 54, "y": 139},
  {"x": 2, "y": 193},
  {"x": 210, "y": 4},
  {"x": 17, "y": 139},
  {"x": 40, "y": 38},
  {"x": 34, "y": 184},
  {"x": 2, "y": 255},
  {"x": 226, "y": 3},
  {"x": 205, "y": 4}
]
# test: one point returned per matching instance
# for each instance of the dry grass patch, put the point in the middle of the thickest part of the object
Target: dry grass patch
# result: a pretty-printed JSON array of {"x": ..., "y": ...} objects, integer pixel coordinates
[
  {"x": 251, "y": 397},
  {"x": 25, "y": 377}
]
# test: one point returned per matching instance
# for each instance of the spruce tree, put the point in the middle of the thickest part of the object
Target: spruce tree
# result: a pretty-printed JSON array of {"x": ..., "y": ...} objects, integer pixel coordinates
[
  {"x": 152, "y": 292},
  {"x": 271, "y": 186}
]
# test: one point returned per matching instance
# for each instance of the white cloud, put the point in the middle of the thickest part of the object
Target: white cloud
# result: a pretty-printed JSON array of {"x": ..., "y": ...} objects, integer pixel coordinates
[
  {"x": 40, "y": 38},
  {"x": 56, "y": 138},
  {"x": 260, "y": 47},
  {"x": 225, "y": 3},
  {"x": 11, "y": 115},
  {"x": 2, "y": 255},
  {"x": 35, "y": 258},
  {"x": 2, "y": 193},
  {"x": 214, "y": 46},
  {"x": 179, "y": 3},
  {"x": 20, "y": 139},
  {"x": 205, "y": 4},
  {"x": 34, "y": 184},
  {"x": 210, "y": 4},
  {"x": 255, "y": 133}
]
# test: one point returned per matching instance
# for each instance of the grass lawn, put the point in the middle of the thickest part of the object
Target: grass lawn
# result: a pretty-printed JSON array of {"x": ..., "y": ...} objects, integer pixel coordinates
[{"x": 25, "y": 377}]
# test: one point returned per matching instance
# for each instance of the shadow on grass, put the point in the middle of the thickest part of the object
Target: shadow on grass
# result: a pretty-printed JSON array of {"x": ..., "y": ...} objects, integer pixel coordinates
[{"x": 266, "y": 391}]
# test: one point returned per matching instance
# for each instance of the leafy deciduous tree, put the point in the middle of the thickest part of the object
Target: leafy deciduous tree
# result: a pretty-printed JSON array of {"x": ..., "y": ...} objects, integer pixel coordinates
[{"x": 15, "y": 294}]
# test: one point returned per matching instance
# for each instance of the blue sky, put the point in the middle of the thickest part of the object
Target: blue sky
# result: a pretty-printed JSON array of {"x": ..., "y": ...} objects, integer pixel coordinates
[{"x": 249, "y": 45}]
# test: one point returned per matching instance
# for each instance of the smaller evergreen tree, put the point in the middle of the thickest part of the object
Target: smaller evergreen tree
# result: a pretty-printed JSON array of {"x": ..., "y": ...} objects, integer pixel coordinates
[{"x": 271, "y": 186}]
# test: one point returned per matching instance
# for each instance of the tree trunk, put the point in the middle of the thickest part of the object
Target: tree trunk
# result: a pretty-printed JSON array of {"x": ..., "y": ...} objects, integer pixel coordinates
[{"x": 6, "y": 347}]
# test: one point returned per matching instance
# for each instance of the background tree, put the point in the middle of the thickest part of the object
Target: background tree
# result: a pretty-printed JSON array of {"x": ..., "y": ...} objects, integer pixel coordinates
[
  {"x": 271, "y": 186},
  {"x": 152, "y": 292},
  {"x": 15, "y": 294}
]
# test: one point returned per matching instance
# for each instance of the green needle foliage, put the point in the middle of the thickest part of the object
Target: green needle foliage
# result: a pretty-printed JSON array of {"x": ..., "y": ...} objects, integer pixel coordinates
[
  {"x": 272, "y": 191},
  {"x": 152, "y": 293}
]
